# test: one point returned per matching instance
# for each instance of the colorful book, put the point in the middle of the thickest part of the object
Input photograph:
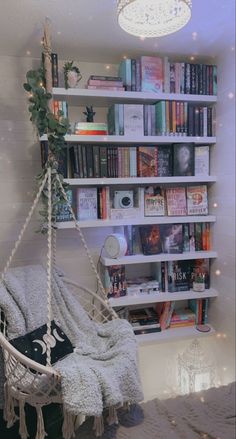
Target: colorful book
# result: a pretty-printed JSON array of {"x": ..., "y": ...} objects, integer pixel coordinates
[
  {"x": 87, "y": 207},
  {"x": 151, "y": 73},
  {"x": 150, "y": 239},
  {"x": 147, "y": 161},
  {"x": 154, "y": 201},
  {"x": 63, "y": 210},
  {"x": 197, "y": 200},
  {"x": 183, "y": 159},
  {"x": 176, "y": 201},
  {"x": 114, "y": 281},
  {"x": 200, "y": 267},
  {"x": 178, "y": 275},
  {"x": 172, "y": 238}
]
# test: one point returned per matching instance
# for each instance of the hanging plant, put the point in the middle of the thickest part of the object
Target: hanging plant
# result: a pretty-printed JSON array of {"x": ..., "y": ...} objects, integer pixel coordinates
[
  {"x": 72, "y": 75},
  {"x": 55, "y": 128}
]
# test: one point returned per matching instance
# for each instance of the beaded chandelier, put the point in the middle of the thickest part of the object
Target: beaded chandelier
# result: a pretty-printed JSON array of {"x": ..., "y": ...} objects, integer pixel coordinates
[{"x": 153, "y": 18}]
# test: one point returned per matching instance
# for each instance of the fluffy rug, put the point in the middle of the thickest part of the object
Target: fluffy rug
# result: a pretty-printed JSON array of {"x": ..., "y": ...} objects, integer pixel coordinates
[{"x": 209, "y": 414}]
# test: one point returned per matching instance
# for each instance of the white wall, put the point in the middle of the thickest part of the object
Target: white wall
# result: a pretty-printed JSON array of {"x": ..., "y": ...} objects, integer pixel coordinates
[{"x": 20, "y": 162}]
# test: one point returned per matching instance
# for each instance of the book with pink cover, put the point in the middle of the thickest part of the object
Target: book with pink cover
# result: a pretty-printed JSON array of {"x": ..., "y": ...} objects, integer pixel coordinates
[
  {"x": 176, "y": 201},
  {"x": 151, "y": 73}
]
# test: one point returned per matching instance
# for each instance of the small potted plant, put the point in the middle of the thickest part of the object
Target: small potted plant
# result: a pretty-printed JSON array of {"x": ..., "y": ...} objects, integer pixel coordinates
[
  {"x": 72, "y": 75},
  {"x": 199, "y": 283}
]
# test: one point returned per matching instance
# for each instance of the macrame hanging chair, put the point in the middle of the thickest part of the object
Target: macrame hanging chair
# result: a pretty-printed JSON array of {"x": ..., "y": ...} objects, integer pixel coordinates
[{"x": 20, "y": 369}]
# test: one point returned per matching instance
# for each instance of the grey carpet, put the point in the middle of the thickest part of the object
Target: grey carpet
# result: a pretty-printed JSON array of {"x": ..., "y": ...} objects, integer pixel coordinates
[{"x": 208, "y": 414}]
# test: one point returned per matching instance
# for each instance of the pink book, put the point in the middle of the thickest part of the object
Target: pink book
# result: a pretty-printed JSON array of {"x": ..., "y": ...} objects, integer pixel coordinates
[
  {"x": 105, "y": 83},
  {"x": 152, "y": 76},
  {"x": 176, "y": 201},
  {"x": 104, "y": 87}
]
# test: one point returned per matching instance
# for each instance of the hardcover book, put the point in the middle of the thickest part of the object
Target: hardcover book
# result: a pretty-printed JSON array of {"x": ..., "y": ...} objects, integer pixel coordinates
[
  {"x": 183, "y": 159},
  {"x": 87, "y": 208},
  {"x": 114, "y": 281},
  {"x": 197, "y": 200},
  {"x": 150, "y": 239},
  {"x": 178, "y": 274},
  {"x": 201, "y": 160},
  {"x": 164, "y": 161},
  {"x": 172, "y": 238},
  {"x": 200, "y": 267},
  {"x": 176, "y": 201},
  {"x": 151, "y": 73},
  {"x": 154, "y": 201},
  {"x": 63, "y": 211},
  {"x": 147, "y": 161},
  {"x": 133, "y": 120}
]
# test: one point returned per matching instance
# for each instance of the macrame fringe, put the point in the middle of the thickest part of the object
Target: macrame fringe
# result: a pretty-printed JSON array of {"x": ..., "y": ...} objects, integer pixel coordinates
[
  {"x": 112, "y": 416},
  {"x": 98, "y": 426},
  {"x": 23, "y": 428},
  {"x": 68, "y": 427},
  {"x": 126, "y": 406},
  {"x": 41, "y": 433},
  {"x": 9, "y": 414}
]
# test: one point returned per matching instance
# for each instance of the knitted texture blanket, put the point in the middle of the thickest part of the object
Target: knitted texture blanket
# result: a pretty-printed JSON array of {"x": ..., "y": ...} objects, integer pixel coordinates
[{"x": 102, "y": 371}]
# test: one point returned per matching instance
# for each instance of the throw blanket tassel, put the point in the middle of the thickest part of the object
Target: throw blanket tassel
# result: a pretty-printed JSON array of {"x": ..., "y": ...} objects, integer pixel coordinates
[
  {"x": 112, "y": 417},
  {"x": 98, "y": 426},
  {"x": 23, "y": 428},
  {"x": 9, "y": 408},
  {"x": 41, "y": 433},
  {"x": 68, "y": 427}
]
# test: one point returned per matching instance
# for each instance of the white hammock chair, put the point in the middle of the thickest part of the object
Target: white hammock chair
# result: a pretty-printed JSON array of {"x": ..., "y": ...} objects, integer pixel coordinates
[{"x": 17, "y": 365}]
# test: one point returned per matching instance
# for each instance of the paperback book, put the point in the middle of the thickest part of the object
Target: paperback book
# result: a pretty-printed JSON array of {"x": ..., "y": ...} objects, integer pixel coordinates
[
  {"x": 172, "y": 238},
  {"x": 114, "y": 281},
  {"x": 201, "y": 161},
  {"x": 183, "y": 159},
  {"x": 154, "y": 201},
  {"x": 87, "y": 206},
  {"x": 133, "y": 120},
  {"x": 147, "y": 161},
  {"x": 150, "y": 239},
  {"x": 197, "y": 200},
  {"x": 178, "y": 275},
  {"x": 151, "y": 73},
  {"x": 164, "y": 161}
]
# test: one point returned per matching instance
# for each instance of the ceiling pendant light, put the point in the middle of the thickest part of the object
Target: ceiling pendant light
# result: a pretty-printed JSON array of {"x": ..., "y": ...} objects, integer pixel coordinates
[{"x": 153, "y": 18}]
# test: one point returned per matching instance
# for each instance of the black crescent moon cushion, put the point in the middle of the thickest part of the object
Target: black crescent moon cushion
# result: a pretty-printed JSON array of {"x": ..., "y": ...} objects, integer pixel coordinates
[{"x": 33, "y": 344}]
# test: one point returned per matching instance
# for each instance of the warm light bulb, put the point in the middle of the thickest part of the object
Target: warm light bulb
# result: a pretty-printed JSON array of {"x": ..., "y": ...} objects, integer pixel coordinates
[{"x": 218, "y": 272}]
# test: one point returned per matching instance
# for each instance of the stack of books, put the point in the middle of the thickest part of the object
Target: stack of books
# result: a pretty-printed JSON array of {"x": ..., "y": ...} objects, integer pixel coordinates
[
  {"x": 182, "y": 317},
  {"x": 97, "y": 82},
  {"x": 90, "y": 128},
  {"x": 144, "y": 321}
]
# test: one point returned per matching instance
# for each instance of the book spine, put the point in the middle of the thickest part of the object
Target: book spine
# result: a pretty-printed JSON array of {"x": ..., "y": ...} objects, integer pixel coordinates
[
  {"x": 105, "y": 87},
  {"x": 204, "y": 79},
  {"x": 83, "y": 147},
  {"x": 133, "y": 161},
  {"x": 54, "y": 60},
  {"x": 145, "y": 119},
  {"x": 182, "y": 74},
  {"x": 201, "y": 122},
  {"x": 166, "y": 75},
  {"x": 128, "y": 71},
  {"x": 172, "y": 77},
  {"x": 187, "y": 85},
  {"x": 133, "y": 74},
  {"x": 149, "y": 121},
  {"x": 121, "y": 119},
  {"x": 89, "y": 161},
  {"x": 105, "y": 78},
  {"x": 105, "y": 83},
  {"x": 116, "y": 111},
  {"x": 173, "y": 111},
  {"x": 96, "y": 162},
  {"x": 209, "y": 121},
  {"x": 200, "y": 79},
  {"x": 192, "y": 79},
  {"x": 198, "y": 236},
  {"x": 215, "y": 80},
  {"x": 153, "y": 122},
  {"x": 103, "y": 161},
  {"x": 75, "y": 158},
  {"x": 178, "y": 118},
  {"x": 192, "y": 246},
  {"x": 190, "y": 120},
  {"x": 186, "y": 105},
  {"x": 138, "y": 75},
  {"x": 163, "y": 275}
]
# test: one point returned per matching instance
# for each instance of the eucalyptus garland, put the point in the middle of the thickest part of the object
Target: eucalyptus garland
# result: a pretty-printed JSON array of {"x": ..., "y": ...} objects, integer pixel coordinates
[{"x": 55, "y": 128}]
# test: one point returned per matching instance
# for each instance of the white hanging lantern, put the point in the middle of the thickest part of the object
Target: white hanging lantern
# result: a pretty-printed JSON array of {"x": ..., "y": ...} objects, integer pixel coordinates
[
  {"x": 153, "y": 18},
  {"x": 196, "y": 372}
]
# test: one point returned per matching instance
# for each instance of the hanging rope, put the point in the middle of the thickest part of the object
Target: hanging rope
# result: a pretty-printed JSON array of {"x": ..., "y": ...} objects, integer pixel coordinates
[
  {"x": 86, "y": 248},
  {"x": 49, "y": 268},
  {"x": 21, "y": 234}
]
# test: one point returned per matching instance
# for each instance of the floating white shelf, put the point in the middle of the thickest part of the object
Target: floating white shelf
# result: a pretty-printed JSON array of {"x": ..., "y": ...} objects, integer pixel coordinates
[
  {"x": 138, "y": 180},
  {"x": 138, "y": 221},
  {"x": 144, "y": 299},
  {"x": 141, "y": 140},
  {"x": 104, "y": 98},
  {"x": 141, "y": 259},
  {"x": 172, "y": 335}
]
